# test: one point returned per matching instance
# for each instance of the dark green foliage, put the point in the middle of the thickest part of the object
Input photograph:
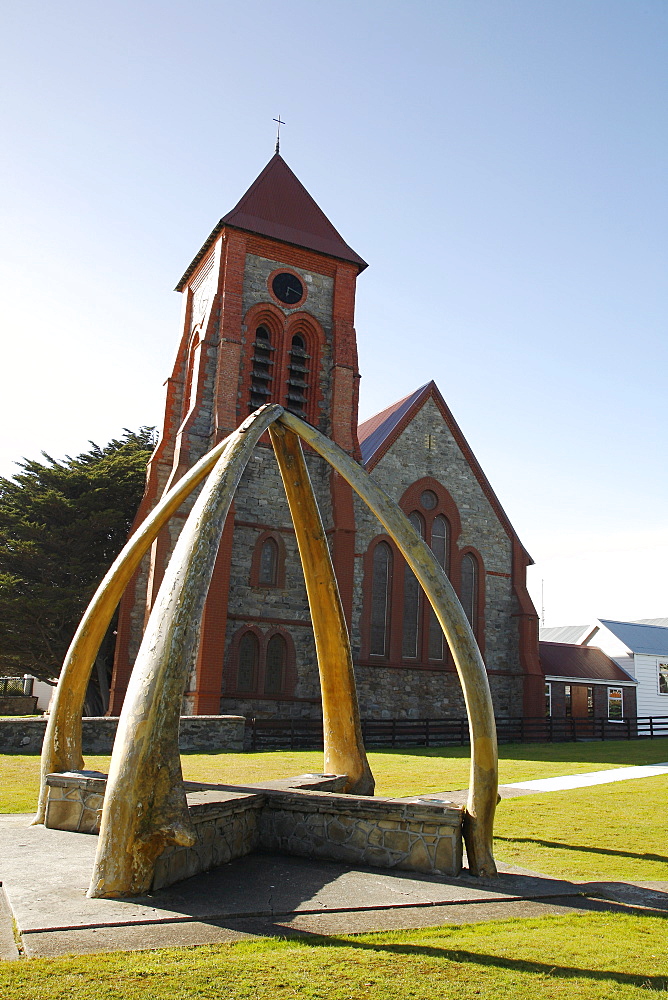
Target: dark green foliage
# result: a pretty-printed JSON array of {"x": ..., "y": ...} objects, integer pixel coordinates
[{"x": 61, "y": 525}]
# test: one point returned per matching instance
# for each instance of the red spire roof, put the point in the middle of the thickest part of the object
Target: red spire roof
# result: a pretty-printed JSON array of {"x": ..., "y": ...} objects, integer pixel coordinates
[{"x": 278, "y": 205}]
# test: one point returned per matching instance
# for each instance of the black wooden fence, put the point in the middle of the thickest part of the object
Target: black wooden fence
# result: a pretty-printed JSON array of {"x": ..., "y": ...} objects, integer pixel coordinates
[{"x": 306, "y": 734}]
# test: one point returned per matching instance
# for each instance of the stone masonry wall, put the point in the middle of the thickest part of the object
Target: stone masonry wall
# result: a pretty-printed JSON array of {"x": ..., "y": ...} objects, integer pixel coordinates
[
  {"x": 299, "y": 816},
  {"x": 404, "y": 690},
  {"x": 202, "y": 733}
]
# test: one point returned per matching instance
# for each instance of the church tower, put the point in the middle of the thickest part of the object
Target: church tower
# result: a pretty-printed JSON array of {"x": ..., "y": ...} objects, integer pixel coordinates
[{"x": 268, "y": 316}]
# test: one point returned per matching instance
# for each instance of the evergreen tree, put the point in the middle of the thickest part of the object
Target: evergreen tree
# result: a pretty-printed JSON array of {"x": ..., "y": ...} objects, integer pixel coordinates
[{"x": 62, "y": 523}]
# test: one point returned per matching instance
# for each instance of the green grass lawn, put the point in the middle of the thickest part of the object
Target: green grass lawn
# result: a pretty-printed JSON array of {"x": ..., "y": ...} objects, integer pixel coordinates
[
  {"x": 606, "y": 956},
  {"x": 398, "y": 772},
  {"x": 603, "y": 833}
]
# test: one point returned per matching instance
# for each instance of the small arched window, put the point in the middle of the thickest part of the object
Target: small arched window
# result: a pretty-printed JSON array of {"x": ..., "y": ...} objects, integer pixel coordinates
[
  {"x": 249, "y": 649},
  {"x": 380, "y": 600},
  {"x": 268, "y": 568},
  {"x": 410, "y": 645},
  {"x": 261, "y": 369},
  {"x": 298, "y": 377},
  {"x": 469, "y": 588},
  {"x": 274, "y": 673}
]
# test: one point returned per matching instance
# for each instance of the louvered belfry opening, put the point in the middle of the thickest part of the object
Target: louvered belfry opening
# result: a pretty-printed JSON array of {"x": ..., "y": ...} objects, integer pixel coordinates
[
  {"x": 298, "y": 372},
  {"x": 261, "y": 370}
]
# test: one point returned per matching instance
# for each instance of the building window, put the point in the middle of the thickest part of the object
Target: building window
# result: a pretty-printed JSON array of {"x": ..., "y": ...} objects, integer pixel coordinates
[
  {"x": 590, "y": 702},
  {"x": 274, "y": 674},
  {"x": 440, "y": 546},
  {"x": 298, "y": 372},
  {"x": 381, "y": 581},
  {"x": 615, "y": 705},
  {"x": 268, "y": 572},
  {"x": 548, "y": 699},
  {"x": 469, "y": 589},
  {"x": 568, "y": 701},
  {"x": 261, "y": 369},
  {"x": 663, "y": 676},
  {"x": 247, "y": 670},
  {"x": 268, "y": 561},
  {"x": 261, "y": 664},
  {"x": 412, "y": 601}
]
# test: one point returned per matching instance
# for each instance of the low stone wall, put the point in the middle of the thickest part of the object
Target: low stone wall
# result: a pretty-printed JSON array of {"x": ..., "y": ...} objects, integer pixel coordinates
[
  {"x": 18, "y": 704},
  {"x": 304, "y": 816},
  {"x": 414, "y": 835},
  {"x": 199, "y": 733}
]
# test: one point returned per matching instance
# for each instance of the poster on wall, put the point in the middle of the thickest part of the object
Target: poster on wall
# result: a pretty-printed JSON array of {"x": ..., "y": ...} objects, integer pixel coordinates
[{"x": 663, "y": 676}]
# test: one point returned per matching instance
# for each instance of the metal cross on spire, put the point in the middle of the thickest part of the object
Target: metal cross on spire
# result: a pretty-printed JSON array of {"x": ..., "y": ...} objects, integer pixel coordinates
[{"x": 278, "y": 132}]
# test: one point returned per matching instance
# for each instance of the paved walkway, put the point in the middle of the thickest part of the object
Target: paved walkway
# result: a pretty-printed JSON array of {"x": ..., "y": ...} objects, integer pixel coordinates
[
  {"x": 45, "y": 873},
  {"x": 591, "y": 778}
]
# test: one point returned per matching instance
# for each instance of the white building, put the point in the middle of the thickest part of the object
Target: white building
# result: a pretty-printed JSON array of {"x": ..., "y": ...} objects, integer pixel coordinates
[{"x": 639, "y": 648}]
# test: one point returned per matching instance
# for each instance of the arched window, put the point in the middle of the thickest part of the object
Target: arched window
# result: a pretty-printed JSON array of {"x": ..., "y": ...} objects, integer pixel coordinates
[
  {"x": 249, "y": 649},
  {"x": 274, "y": 671},
  {"x": 381, "y": 581},
  {"x": 410, "y": 645},
  {"x": 440, "y": 546},
  {"x": 268, "y": 561},
  {"x": 469, "y": 588},
  {"x": 298, "y": 372},
  {"x": 261, "y": 370},
  {"x": 261, "y": 664},
  {"x": 268, "y": 569}
]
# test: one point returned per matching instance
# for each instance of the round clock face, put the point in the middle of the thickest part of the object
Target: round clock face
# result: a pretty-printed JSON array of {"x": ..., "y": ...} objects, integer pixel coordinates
[{"x": 287, "y": 288}]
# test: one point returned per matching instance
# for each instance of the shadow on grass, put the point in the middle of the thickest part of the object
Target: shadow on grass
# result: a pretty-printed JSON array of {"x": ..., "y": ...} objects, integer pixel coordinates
[
  {"x": 484, "y": 960},
  {"x": 584, "y": 850}
]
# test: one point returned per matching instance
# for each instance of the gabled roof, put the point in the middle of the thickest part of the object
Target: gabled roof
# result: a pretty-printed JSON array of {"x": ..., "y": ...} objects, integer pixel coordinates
[
  {"x": 563, "y": 659},
  {"x": 561, "y": 633},
  {"x": 377, "y": 434},
  {"x": 375, "y": 431},
  {"x": 650, "y": 639},
  {"x": 278, "y": 205}
]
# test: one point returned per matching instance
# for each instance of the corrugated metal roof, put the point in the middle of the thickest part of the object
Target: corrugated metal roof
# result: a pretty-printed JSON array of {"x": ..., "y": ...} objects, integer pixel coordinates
[
  {"x": 650, "y": 639},
  {"x": 278, "y": 205},
  {"x": 562, "y": 659},
  {"x": 561, "y": 633},
  {"x": 374, "y": 431},
  {"x": 652, "y": 621}
]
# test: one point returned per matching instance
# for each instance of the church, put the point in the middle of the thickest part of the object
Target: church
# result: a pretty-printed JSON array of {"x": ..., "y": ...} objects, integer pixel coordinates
[{"x": 268, "y": 316}]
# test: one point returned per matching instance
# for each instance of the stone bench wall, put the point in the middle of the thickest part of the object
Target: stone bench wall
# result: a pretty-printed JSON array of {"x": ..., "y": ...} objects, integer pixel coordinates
[
  {"x": 304, "y": 816},
  {"x": 383, "y": 833},
  {"x": 198, "y": 733}
]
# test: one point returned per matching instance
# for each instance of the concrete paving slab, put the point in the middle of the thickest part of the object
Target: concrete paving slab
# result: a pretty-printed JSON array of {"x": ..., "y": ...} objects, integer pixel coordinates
[
  {"x": 46, "y": 873},
  {"x": 143, "y": 937},
  {"x": 8, "y": 950}
]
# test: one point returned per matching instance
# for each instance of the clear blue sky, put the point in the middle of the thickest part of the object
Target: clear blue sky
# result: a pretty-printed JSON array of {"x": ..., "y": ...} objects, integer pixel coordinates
[{"x": 501, "y": 164}]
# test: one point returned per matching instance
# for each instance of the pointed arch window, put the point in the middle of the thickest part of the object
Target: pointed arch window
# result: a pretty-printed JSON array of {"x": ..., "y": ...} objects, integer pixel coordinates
[
  {"x": 249, "y": 649},
  {"x": 268, "y": 570},
  {"x": 261, "y": 664},
  {"x": 261, "y": 369},
  {"x": 268, "y": 561},
  {"x": 274, "y": 671},
  {"x": 298, "y": 377},
  {"x": 440, "y": 546},
  {"x": 381, "y": 581},
  {"x": 469, "y": 588},
  {"x": 412, "y": 612}
]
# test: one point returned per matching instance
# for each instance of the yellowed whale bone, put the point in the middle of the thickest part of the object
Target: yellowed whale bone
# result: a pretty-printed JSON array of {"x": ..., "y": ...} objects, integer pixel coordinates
[
  {"x": 483, "y": 783},
  {"x": 161, "y": 816},
  {"x": 61, "y": 749}
]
